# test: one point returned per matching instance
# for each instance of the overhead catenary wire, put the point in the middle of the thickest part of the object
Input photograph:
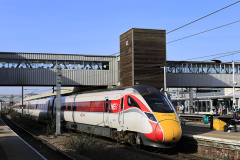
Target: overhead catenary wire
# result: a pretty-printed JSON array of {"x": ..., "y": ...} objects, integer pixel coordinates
[
  {"x": 203, "y": 32},
  {"x": 210, "y": 55},
  {"x": 194, "y": 35},
  {"x": 225, "y": 55},
  {"x": 203, "y": 17},
  {"x": 191, "y": 35},
  {"x": 196, "y": 20},
  {"x": 189, "y": 24}
]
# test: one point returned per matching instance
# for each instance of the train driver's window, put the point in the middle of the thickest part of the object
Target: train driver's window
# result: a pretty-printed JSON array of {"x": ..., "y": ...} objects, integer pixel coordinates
[{"x": 132, "y": 102}]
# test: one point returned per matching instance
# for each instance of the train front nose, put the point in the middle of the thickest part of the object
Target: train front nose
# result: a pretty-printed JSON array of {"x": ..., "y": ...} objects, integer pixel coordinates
[{"x": 170, "y": 130}]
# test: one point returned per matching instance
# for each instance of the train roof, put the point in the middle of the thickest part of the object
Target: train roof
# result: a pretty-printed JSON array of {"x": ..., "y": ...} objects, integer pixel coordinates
[{"x": 141, "y": 89}]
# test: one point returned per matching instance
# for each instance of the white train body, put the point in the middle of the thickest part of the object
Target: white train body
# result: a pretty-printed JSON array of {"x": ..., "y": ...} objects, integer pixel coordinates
[{"x": 138, "y": 115}]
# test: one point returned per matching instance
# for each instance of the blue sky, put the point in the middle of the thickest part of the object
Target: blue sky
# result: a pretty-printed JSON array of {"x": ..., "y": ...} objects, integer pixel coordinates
[{"x": 93, "y": 27}]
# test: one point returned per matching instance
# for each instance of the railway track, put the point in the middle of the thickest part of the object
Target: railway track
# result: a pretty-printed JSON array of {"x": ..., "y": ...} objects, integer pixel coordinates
[
  {"x": 155, "y": 153},
  {"x": 50, "y": 152},
  {"x": 45, "y": 149}
]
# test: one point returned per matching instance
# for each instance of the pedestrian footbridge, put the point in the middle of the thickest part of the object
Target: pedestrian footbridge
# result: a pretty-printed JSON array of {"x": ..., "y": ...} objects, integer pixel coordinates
[
  {"x": 39, "y": 69},
  {"x": 192, "y": 74}
]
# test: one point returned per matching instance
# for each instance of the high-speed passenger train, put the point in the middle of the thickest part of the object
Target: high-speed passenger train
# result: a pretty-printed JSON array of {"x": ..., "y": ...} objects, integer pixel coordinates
[{"x": 139, "y": 115}]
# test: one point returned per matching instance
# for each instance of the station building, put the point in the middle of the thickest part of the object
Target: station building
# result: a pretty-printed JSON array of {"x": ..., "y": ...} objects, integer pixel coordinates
[{"x": 205, "y": 100}]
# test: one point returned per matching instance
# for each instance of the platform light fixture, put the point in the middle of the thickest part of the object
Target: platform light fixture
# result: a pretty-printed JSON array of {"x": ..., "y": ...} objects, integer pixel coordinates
[{"x": 58, "y": 101}]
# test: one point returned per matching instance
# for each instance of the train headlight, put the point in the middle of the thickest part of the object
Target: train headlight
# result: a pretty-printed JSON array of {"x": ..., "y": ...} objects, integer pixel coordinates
[{"x": 151, "y": 116}]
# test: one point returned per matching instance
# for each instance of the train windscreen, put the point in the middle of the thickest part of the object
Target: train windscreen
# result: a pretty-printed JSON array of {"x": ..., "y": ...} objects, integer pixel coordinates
[{"x": 158, "y": 103}]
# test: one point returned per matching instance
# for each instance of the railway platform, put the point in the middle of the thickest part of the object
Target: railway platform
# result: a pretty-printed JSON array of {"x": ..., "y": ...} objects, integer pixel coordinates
[
  {"x": 217, "y": 143},
  {"x": 12, "y": 147}
]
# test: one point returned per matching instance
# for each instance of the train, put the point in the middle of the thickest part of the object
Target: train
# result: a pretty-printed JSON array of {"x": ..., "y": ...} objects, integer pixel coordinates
[{"x": 139, "y": 115}]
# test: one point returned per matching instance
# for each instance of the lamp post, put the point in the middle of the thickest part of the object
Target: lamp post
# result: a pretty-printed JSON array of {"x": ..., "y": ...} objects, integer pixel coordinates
[
  {"x": 233, "y": 84},
  {"x": 58, "y": 103},
  {"x": 165, "y": 85},
  {"x": 1, "y": 109},
  {"x": 22, "y": 100},
  {"x": 165, "y": 88}
]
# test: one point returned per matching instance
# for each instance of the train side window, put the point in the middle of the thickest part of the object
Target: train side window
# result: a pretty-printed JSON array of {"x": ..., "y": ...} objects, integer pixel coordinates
[
  {"x": 132, "y": 102},
  {"x": 80, "y": 106},
  {"x": 74, "y": 106},
  {"x": 69, "y": 106},
  {"x": 63, "y": 107}
]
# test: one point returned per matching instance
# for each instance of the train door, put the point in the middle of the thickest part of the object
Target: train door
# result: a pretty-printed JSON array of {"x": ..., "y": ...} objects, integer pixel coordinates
[
  {"x": 121, "y": 113},
  {"x": 28, "y": 105},
  {"x": 74, "y": 108},
  {"x": 54, "y": 107},
  {"x": 50, "y": 108},
  {"x": 106, "y": 112},
  {"x": 63, "y": 107}
]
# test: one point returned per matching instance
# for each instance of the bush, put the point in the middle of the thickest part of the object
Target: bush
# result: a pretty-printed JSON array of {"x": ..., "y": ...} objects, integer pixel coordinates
[
  {"x": 51, "y": 126},
  {"x": 13, "y": 114},
  {"x": 80, "y": 142}
]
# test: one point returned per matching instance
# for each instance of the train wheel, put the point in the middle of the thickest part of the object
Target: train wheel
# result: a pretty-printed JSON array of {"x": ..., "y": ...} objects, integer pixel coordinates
[
  {"x": 115, "y": 135},
  {"x": 137, "y": 141},
  {"x": 132, "y": 139}
]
